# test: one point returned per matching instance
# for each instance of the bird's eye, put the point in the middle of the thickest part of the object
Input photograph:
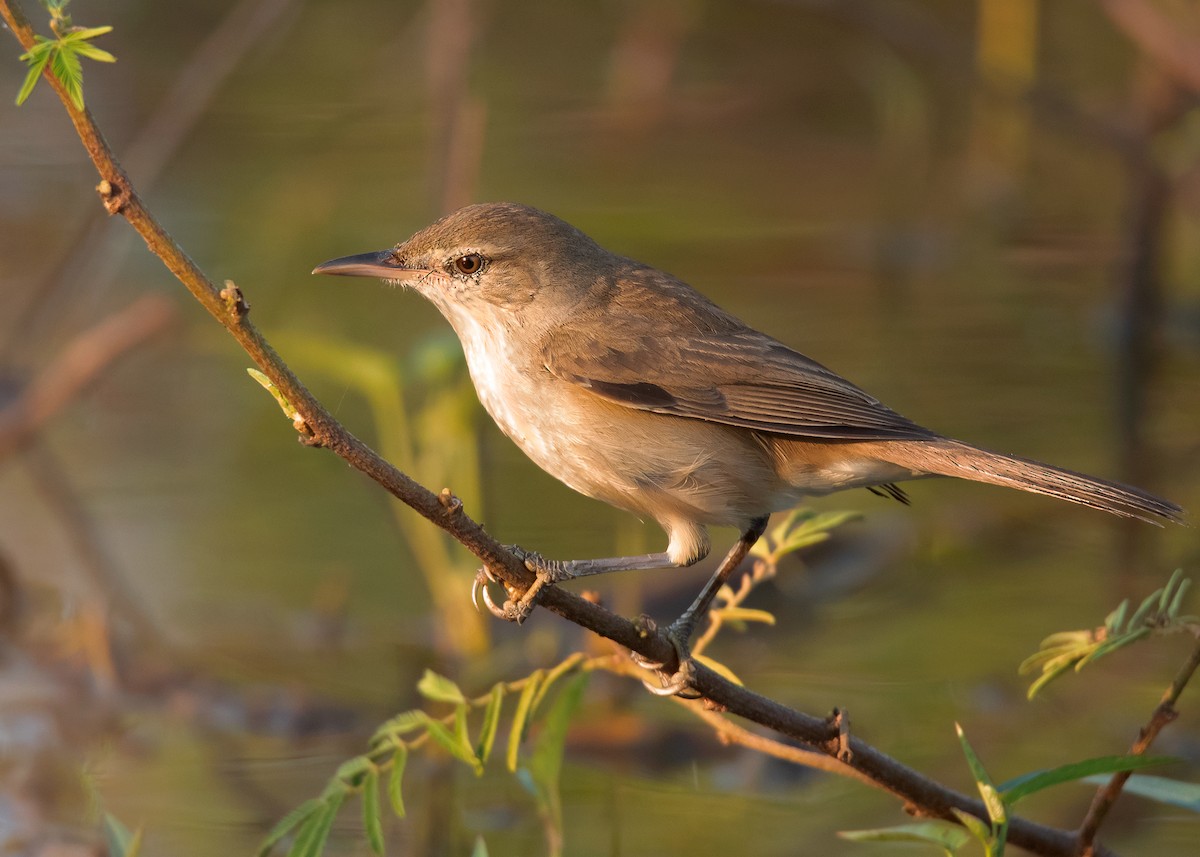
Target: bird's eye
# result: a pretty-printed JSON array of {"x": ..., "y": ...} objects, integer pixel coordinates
[{"x": 472, "y": 263}]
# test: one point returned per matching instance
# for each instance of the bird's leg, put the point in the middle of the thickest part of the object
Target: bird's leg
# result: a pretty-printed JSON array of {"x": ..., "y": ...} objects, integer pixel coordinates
[
  {"x": 680, "y": 631},
  {"x": 549, "y": 571}
]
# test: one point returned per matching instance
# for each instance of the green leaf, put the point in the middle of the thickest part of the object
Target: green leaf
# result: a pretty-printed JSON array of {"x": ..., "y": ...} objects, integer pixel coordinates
[
  {"x": 1110, "y": 646},
  {"x": 718, "y": 667},
  {"x": 64, "y": 64},
  {"x": 974, "y": 826},
  {"x": 41, "y": 50},
  {"x": 480, "y": 849},
  {"x": 1143, "y": 612},
  {"x": 1177, "y": 600},
  {"x": 554, "y": 674},
  {"x": 351, "y": 772},
  {"x": 36, "y": 64},
  {"x": 94, "y": 53},
  {"x": 439, "y": 688},
  {"x": 289, "y": 821},
  {"x": 463, "y": 735},
  {"x": 1021, "y": 787},
  {"x": 745, "y": 614},
  {"x": 276, "y": 394},
  {"x": 1168, "y": 590},
  {"x": 401, "y": 724},
  {"x": 85, "y": 34},
  {"x": 372, "y": 823},
  {"x": 451, "y": 743},
  {"x": 545, "y": 763},
  {"x": 491, "y": 721},
  {"x": 313, "y": 835},
  {"x": 395, "y": 778},
  {"x": 949, "y": 837},
  {"x": 1115, "y": 620},
  {"x": 987, "y": 790},
  {"x": 121, "y": 843},
  {"x": 1161, "y": 789},
  {"x": 521, "y": 717}
]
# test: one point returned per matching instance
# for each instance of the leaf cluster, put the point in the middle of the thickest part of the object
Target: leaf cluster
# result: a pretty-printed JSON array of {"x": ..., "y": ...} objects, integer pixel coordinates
[
  {"x": 310, "y": 823},
  {"x": 1159, "y": 613},
  {"x": 62, "y": 54}
]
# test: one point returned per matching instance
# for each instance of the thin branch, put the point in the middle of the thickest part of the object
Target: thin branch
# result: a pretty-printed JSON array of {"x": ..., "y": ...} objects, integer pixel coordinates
[
  {"x": 77, "y": 366},
  {"x": 920, "y": 794},
  {"x": 1172, "y": 44},
  {"x": 1164, "y": 714}
]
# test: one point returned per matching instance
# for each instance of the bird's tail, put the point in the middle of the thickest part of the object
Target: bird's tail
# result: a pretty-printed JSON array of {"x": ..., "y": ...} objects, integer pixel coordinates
[{"x": 954, "y": 458}]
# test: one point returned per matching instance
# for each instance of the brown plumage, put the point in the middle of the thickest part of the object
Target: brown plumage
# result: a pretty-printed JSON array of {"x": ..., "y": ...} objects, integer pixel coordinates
[{"x": 631, "y": 387}]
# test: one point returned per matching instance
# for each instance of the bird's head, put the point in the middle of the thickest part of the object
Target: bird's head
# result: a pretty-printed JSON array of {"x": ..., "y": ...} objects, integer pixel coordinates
[{"x": 493, "y": 263}]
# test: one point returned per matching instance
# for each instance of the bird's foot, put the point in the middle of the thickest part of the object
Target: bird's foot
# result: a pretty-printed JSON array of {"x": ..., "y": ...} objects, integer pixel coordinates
[
  {"x": 679, "y": 681},
  {"x": 518, "y": 609}
]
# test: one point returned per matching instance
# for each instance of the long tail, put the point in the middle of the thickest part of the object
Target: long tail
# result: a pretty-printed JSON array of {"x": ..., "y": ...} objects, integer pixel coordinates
[{"x": 954, "y": 458}]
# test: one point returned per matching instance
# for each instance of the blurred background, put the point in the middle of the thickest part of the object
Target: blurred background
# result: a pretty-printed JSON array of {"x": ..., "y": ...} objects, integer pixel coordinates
[{"x": 986, "y": 213}]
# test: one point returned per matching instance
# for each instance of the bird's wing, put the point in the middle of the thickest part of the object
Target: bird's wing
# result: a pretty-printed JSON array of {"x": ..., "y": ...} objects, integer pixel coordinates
[{"x": 735, "y": 375}]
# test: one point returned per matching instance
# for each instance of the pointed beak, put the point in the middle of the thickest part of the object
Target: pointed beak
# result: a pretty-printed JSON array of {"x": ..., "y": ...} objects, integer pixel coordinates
[{"x": 382, "y": 264}]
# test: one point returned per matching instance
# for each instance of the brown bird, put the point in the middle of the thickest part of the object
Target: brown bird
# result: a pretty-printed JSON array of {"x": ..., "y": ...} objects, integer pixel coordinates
[{"x": 631, "y": 387}]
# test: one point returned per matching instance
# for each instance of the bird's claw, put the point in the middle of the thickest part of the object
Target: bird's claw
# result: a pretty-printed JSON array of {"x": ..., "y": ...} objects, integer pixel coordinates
[
  {"x": 679, "y": 683},
  {"x": 483, "y": 578},
  {"x": 518, "y": 610}
]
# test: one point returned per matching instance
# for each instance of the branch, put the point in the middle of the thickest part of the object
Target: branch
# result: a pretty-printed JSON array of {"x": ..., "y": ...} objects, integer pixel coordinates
[
  {"x": 921, "y": 795},
  {"x": 1164, "y": 714},
  {"x": 77, "y": 366},
  {"x": 1167, "y": 42}
]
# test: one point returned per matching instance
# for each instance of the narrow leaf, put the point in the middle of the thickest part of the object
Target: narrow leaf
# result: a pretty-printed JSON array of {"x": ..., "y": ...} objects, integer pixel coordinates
[
  {"x": 1177, "y": 601},
  {"x": 85, "y": 34},
  {"x": 332, "y": 806},
  {"x": 401, "y": 724},
  {"x": 987, "y": 789},
  {"x": 545, "y": 763},
  {"x": 462, "y": 734},
  {"x": 372, "y": 823},
  {"x": 395, "y": 778},
  {"x": 974, "y": 826},
  {"x": 65, "y": 66},
  {"x": 439, "y": 688},
  {"x": 491, "y": 721},
  {"x": 949, "y": 837},
  {"x": 552, "y": 675},
  {"x": 41, "y": 50},
  {"x": 94, "y": 53},
  {"x": 284, "y": 826},
  {"x": 1139, "y": 617},
  {"x": 32, "y": 77},
  {"x": 480, "y": 849},
  {"x": 746, "y": 614},
  {"x": 1023, "y": 786},
  {"x": 451, "y": 743},
  {"x": 352, "y": 770},
  {"x": 1115, "y": 621},
  {"x": 717, "y": 667},
  {"x": 520, "y": 718},
  {"x": 117, "y": 835},
  {"x": 1161, "y": 789},
  {"x": 1046, "y": 677}
]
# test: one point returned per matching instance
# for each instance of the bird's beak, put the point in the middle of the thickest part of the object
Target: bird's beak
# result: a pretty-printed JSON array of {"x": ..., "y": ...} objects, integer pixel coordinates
[{"x": 382, "y": 264}]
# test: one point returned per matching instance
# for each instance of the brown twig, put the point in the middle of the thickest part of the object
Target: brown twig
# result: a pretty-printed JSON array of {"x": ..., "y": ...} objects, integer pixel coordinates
[
  {"x": 1164, "y": 713},
  {"x": 922, "y": 795},
  {"x": 1170, "y": 43},
  {"x": 77, "y": 366}
]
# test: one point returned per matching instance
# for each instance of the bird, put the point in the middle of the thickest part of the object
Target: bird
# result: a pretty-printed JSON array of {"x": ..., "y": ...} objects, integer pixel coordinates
[{"x": 631, "y": 387}]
